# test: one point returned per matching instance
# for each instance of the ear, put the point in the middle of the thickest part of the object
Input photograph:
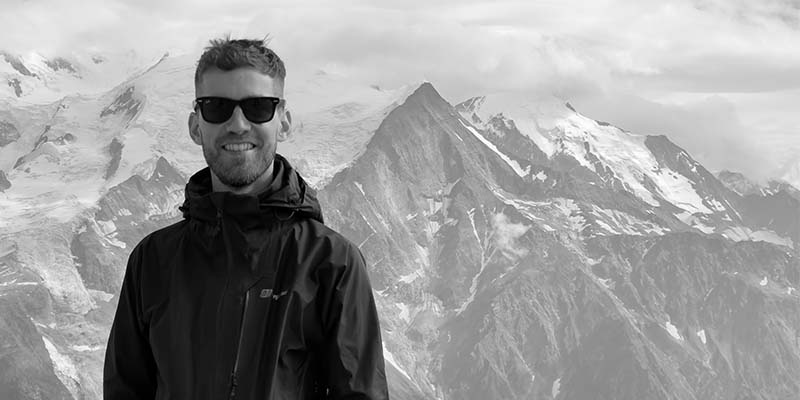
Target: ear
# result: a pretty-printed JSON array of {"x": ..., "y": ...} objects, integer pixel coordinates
[
  {"x": 286, "y": 125},
  {"x": 194, "y": 129}
]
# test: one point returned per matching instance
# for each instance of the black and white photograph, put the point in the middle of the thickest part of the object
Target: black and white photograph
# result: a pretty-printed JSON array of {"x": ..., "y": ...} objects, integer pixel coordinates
[{"x": 406, "y": 200}]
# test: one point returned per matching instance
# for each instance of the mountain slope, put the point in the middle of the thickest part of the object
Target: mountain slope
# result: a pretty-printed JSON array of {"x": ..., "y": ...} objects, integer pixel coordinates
[{"x": 501, "y": 290}]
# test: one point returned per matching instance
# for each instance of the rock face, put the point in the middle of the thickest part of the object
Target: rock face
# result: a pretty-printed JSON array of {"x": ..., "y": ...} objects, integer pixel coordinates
[
  {"x": 127, "y": 213},
  {"x": 26, "y": 365},
  {"x": 126, "y": 104},
  {"x": 115, "y": 149},
  {"x": 4, "y": 183},
  {"x": 58, "y": 64}
]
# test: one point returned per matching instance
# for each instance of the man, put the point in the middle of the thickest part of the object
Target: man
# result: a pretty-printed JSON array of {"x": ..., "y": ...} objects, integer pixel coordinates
[{"x": 250, "y": 296}]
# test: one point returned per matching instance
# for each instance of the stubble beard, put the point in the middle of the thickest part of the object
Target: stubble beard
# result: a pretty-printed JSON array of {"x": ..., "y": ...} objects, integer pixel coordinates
[{"x": 238, "y": 172}]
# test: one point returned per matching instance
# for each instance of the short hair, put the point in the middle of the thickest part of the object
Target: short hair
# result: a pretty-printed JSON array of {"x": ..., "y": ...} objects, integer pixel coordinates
[{"x": 227, "y": 54}]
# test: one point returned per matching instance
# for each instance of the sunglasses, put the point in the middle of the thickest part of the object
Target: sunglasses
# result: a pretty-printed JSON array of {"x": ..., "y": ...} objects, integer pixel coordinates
[{"x": 216, "y": 110}]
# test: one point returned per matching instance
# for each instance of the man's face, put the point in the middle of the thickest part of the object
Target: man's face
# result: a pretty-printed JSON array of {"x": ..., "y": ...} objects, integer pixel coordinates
[{"x": 238, "y": 151}]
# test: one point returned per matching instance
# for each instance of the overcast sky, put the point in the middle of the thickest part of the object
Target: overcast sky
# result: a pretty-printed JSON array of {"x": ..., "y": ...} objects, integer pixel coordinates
[{"x": 721, "y": 78}]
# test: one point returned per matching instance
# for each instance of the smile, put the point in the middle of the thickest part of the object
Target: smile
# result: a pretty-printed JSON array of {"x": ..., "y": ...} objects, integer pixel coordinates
[{"x": 238, "y": 146}]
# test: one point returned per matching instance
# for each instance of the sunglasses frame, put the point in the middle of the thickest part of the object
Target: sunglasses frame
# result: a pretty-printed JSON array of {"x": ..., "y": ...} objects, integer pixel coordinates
[{"x": 198, "y": 105}]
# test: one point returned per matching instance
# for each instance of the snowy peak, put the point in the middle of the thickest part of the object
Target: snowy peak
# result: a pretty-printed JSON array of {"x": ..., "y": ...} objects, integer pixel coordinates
[
  {"x": 469, "y": 109},
  {"x": 561, "y": 152},
  {"x": 427, "y": 96},
  {"x": 39, "y": 79}
]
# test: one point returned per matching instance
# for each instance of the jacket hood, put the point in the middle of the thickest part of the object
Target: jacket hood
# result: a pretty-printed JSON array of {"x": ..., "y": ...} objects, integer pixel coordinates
[{"x": 288, "y": 195}]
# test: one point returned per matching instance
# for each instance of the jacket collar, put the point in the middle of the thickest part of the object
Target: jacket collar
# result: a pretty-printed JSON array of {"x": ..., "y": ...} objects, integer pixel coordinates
[{"x": 288, "y": 195}]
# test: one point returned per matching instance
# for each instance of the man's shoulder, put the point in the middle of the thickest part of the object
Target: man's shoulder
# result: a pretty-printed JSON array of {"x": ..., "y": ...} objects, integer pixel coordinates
[
  {"x": 330, "y": 244},
  {"x": 162, "y": 238},
  {"x": 320, "y": 231}
]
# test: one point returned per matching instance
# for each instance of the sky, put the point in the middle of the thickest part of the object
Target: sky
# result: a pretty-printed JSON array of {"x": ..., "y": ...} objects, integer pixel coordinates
[{"x": 721, "y": 78}]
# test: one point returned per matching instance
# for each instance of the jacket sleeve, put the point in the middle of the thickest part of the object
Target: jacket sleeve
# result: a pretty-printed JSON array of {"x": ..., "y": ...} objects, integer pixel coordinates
[
  {"x": 353, "y": 365},
  {"x": 130, "y": 370}
]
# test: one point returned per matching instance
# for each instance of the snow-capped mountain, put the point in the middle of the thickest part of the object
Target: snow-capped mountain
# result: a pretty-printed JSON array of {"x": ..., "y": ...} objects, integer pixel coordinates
[
  {"x": 647, "y": 173},
  {"x": 517, "y": 248},
  {"x": 482, "y": 251},
  {"x": 39, "y": 79}
]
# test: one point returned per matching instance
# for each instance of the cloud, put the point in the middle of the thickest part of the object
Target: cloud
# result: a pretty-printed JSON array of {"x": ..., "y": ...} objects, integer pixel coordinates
[
  {"x": 505, "y": 235},
  {"x": 736, "y": 50}
]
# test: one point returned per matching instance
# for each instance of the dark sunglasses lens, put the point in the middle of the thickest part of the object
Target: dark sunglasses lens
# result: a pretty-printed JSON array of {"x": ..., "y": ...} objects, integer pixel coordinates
[
  {"x": 217, "y": 110},
  {"x": 258, "y": 109}
]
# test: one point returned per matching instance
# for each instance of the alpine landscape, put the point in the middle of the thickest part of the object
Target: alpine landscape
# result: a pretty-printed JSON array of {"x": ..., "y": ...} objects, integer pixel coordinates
[{"x": 517, "y": 248}]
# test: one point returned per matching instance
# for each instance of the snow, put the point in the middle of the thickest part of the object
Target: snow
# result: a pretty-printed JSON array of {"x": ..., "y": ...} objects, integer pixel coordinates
[
  {"x": 49, "y": 86},
  {"x": 556, "y": 129},
  {"x": 389, "y": 357},
  {"x": 84, "y": 348},
  {"x": 715, "y": 204},
  {"x": 360, "y": 188},
  {"x": 616, "y": 222},
  {"x": 106, "y": 227},
  {"x": 702, "y": 335},
  {"x": 742, "y": 233},
  {"x": 511, "y": 163},
  {"x": 139, "y": 149},
  {"x": 677, "y": 189},
  {"x": 695, "y": 221},
  {"x": 100, "y": 295},
  {"x": 526, "y": 112},
  {"x": 14, "y": 282},
  {"x": 560, "y": 213},
  {"x": 405, "y": 312},
  {"x": 408, "y": 278},
  {"x": 556, "y": 389},
  {"x": 64, "y": 368},
  {"x": 673, "y": 330},
  {"x": 116, "y": 242}
]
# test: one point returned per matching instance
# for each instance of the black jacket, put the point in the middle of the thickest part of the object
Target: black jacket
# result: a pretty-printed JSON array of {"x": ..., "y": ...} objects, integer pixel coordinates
[{"x": 249, "y": 298}]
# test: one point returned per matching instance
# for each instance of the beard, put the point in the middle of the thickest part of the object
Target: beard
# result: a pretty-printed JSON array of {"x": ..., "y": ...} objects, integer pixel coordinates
[{"x": 235, "y": 170}]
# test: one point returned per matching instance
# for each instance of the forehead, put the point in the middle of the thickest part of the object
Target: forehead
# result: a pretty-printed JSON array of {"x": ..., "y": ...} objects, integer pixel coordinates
[{"x": 237, "y": 84}]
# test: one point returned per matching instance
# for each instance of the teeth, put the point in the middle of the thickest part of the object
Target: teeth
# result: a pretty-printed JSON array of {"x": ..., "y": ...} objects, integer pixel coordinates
[{"x": 238, "y": 146}]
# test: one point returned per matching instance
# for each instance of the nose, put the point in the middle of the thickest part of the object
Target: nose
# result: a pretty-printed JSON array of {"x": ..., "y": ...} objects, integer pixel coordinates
[{"x": 238, "y": 123}]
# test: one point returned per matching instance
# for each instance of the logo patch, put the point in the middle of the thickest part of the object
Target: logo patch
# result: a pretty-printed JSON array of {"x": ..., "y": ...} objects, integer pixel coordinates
[{"x": 265, "y": 293}]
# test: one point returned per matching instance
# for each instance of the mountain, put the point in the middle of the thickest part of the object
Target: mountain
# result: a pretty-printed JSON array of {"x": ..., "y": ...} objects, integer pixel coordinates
[
  {"x": 517, "y": 249},
  {"x": 38, "y": 78},
  {"x": 518, "y": 275}
]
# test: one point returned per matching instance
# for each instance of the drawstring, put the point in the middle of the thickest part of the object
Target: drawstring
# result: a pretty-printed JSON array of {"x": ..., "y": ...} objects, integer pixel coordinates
[
  {"x": 278, "y": 217},
  {"x": 217, "y": 226}
]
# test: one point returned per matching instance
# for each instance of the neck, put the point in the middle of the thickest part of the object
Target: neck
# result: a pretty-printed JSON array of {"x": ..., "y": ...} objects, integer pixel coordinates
[{"x": 259, "y": 185}]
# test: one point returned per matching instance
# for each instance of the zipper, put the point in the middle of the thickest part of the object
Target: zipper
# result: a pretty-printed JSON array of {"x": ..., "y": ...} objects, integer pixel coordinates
[{"x": 234, "y": 373}]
